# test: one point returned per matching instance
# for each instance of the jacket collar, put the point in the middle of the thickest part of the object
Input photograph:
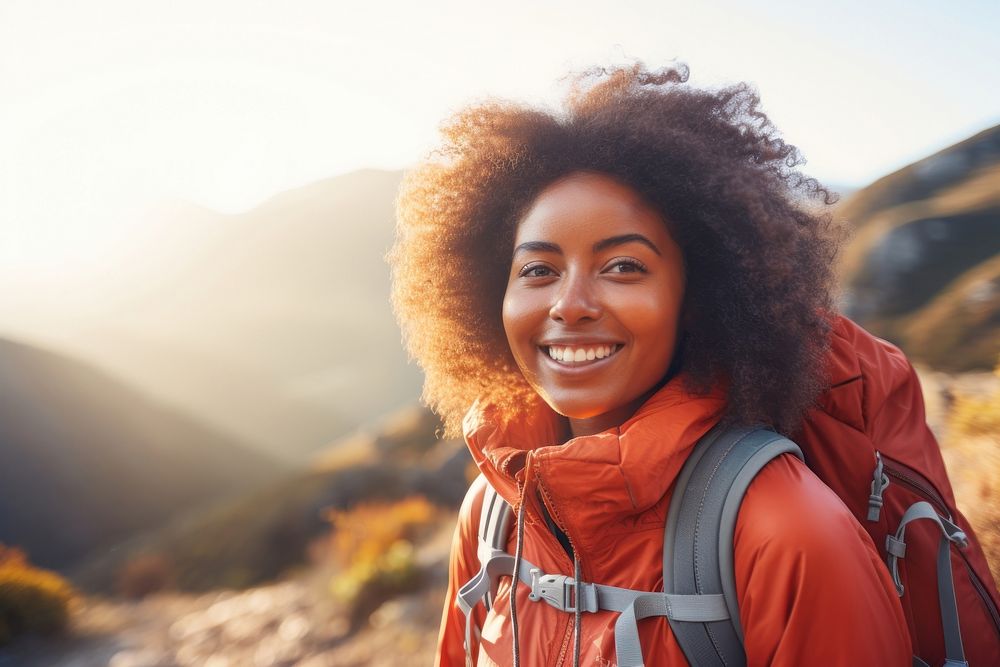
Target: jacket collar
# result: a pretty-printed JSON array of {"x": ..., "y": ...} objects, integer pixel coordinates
[{"x": 595, "y": 483}]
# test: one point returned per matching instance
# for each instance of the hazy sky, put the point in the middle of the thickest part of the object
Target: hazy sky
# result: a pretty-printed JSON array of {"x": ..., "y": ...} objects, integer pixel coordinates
[{"x": 106, "y": 106}]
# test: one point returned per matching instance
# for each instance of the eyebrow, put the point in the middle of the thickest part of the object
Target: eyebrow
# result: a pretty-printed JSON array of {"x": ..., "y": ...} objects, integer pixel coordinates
[
  {"x": 604, "y": 244},
  {"x": 623, "y": 239},
  {"x": 537, "y": 246}
]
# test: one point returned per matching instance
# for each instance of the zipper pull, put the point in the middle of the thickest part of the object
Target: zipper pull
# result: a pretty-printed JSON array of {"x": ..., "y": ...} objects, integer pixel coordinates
[{"x": 879, "y": 483}]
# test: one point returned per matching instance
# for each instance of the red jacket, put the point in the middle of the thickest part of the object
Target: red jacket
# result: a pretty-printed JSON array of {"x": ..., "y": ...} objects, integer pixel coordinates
[{"x": 811, "y": 587}]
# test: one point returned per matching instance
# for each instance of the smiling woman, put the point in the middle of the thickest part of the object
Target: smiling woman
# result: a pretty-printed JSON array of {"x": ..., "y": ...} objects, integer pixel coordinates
[
  {"x": 591, "y": 293},
  {"x": 593, "y": 301}
]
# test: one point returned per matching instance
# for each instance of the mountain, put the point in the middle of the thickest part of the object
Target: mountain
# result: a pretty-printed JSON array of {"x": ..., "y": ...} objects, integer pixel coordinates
[
  {"x": 960, "y": 328},
  {"x": 948, "y": 168},
  {"x": 921, "y": 268},
  {"x": 273, "y": 325},
  {"x": 255, "y": 538},
  {"x": 86, "y": 459}
]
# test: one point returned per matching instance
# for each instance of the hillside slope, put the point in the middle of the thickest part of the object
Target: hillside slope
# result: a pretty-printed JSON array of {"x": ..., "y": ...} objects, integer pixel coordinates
[
  {"x": 86, "y": 459},
  {"x": 923, "y": 236},
  {"x": 255, "y": 538},
  {"x": 273, "y": 324}
]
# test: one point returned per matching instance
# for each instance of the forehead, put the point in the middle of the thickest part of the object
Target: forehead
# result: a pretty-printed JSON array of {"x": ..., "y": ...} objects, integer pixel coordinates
[{"x": 588, "y": 204}]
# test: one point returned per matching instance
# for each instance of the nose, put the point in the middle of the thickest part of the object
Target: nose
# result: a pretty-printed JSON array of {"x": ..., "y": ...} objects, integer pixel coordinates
[{"x": 576, "y": 301}]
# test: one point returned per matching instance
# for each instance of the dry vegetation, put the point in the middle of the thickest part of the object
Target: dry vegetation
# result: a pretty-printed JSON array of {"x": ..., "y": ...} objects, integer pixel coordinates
[
  {"x": 373, "y": 545},
  {"x": 32, "y": 600},
  {"x": 971, "y": 447}
]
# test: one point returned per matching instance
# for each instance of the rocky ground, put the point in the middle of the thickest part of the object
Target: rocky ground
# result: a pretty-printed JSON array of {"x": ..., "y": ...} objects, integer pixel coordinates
[{"x": 292, "y": 623}]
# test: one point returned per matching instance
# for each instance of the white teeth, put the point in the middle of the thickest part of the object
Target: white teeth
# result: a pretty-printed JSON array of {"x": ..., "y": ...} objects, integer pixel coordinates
[{"x": 575, "y": 355}]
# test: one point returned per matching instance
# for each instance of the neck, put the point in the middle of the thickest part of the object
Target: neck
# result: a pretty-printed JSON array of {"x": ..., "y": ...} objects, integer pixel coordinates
[
  {"x": 612, "y": 418},
  {"x": 607, "y": 420}
]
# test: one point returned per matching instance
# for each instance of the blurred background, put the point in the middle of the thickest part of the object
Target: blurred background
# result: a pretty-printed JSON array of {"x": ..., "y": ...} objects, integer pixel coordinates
[{"x": 211, "y": 446}]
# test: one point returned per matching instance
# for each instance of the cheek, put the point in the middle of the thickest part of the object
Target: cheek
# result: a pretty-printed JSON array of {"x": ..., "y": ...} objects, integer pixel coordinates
[
  {"x": 653, "y": 314},
  {"x": 514, "y": 323},
  {"x": 655, "y": 323},
  {"x": 669, "y": 301},
  {"x": 524, "y": 313}
]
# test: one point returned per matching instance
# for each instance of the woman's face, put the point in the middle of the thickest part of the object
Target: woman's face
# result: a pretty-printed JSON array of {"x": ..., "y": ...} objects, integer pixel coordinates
[{"x": 593, "y": 300}]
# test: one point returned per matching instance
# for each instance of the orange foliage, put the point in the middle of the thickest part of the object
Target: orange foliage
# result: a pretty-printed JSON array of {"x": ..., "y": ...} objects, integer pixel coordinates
[
  {"x": 369, "y": 530},
  {"x": 373, "y": 545},
  {"x": 32, "y": 600}
]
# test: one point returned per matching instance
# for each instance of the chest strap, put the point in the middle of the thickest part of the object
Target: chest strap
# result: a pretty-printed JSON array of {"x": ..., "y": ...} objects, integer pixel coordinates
[{"x": 557, "y": 590}]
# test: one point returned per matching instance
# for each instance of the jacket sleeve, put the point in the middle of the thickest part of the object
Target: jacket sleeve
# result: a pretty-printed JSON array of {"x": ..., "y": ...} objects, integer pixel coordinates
[
  {"x": 811, "y": 587},
  {"x": 463, "y": 564}
]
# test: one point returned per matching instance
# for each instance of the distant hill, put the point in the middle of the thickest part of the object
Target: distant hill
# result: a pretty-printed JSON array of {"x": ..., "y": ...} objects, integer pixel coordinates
[
  {"x": 86, "y": 460},
  {"x": 255, "y": 538},
  {"x": 921, "y": 269},
  {"x": 925, "y": 178},
  {"x": 960, "y": 328},
  {"x": 273, "y": 325}
]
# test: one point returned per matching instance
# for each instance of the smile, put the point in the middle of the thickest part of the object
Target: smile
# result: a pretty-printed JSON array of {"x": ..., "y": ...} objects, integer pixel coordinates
[{"x": 580, "y": 355}]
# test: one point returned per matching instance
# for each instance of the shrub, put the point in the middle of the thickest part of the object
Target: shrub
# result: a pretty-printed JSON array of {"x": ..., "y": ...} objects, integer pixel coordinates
[
  {"x": 975, "y": 416},
  {"x": 32, "y": 600},
  {"x": 145, "y": 574},
  {"x": 373, "y": 545}
]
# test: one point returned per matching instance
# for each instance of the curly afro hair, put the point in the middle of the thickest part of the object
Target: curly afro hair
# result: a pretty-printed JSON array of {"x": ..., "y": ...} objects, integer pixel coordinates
[{"x": 759, "y": 246}]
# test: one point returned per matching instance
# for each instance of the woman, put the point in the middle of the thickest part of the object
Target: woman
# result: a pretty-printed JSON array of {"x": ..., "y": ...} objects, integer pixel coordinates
[{"x": 602, "y": 286}]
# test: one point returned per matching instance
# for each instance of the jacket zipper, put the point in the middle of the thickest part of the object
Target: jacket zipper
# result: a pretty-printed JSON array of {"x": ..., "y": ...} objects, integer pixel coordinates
[
  {"x": 529, "y": 499},
  {"x": 921, "y": 486},
  {"x": 568, "y": 636}
]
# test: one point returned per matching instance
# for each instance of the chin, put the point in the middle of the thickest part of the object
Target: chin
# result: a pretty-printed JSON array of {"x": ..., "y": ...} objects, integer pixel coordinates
[{"x": 578, "y": 409}]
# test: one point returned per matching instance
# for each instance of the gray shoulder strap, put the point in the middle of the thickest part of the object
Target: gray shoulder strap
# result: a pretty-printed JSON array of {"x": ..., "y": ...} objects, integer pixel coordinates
[
  {"x": 494, "y": 528},
  {"x": 698, "y": 540}
]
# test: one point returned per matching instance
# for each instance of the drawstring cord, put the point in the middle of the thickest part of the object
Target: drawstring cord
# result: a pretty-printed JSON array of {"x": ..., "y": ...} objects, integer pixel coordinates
[
  {"x": 513, "y": 583},
  {"x": 517, "y": 565},
  {"x": 576, "y": 613}
]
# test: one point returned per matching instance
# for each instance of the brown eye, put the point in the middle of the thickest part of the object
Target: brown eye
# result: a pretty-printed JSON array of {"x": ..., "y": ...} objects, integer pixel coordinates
[
  {"x": 627, "y": 265},
  {"x": 534, "y": 271}
]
